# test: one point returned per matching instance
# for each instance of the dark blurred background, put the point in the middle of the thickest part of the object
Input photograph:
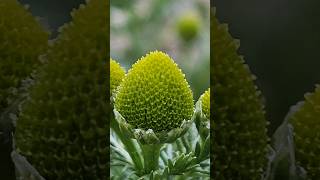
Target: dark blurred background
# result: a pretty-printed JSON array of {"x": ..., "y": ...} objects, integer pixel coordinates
[
  {"x": 280, "y": 40},
  {"x": 52, "y": 13}
]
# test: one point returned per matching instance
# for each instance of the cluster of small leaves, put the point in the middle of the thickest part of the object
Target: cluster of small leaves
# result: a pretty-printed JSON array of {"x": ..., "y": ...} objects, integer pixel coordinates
[
  {"x": 63, "y": 127},
  {"x": 306, "y": 124},
  {"x": 184, "y": 159},
  {"x": 22, "y": 41},
  {"x": 240, "y": 140},
  {"x": 117, "y": 73},
  {"x": 155, "y": 94}
]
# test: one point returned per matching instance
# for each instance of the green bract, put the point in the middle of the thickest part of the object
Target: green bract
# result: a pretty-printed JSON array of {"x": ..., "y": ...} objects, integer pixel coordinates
[
  {"x": 22, "y": 40},
  {"x": 63, "y": 129},
  {"x": 306, "y": 125},
  {"x": 117, "y": 73},
  {"x": 205, "y": 100},
  {"x": 155, "y": 94},
  {"x": 240, "y": 139}
]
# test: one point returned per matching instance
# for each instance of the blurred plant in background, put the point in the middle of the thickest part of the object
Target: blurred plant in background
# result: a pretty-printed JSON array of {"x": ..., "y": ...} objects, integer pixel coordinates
[{"x": 180, "y": 28}]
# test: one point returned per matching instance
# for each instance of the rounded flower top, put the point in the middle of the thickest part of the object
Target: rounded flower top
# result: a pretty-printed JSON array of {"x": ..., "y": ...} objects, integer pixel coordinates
[
  {"x": 205, "y": 103},
  {"x": 155, "y": 94},
  {"x": 117, "y": 73}
]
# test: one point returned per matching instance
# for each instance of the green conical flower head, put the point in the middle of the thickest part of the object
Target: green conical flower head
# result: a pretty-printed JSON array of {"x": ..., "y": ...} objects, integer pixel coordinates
[
  {"x": 22, "y": 40},
  {"x": 205, "y": 103},
  {"x": 117, "y": 73},
  {"x": 240, "y": 141},
  {"x": 188, "y": 26},
  {"x": 155, "y": 94},
  {"x": 63, "y": 129},
  {"x": 306, "y": 123}
]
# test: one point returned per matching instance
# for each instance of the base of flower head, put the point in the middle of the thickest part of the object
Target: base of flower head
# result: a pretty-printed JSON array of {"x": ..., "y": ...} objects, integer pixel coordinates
[{"x": 149, "y": 136}]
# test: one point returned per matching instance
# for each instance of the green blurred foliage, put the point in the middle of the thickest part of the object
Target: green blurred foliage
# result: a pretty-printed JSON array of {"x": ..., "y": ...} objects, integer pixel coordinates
[{"x": 140, "y": 26}]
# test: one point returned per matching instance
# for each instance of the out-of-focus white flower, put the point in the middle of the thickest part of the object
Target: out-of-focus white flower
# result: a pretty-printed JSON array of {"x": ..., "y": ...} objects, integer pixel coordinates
[{"x": 119, "y": 18}]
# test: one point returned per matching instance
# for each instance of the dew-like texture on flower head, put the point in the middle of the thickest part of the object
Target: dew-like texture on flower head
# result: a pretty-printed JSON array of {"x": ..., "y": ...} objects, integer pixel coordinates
[
  {"x": 22, "y": 40},
  {"x": 306, "y": 124},
  {"x": 63, "y": 128},
  {"x": 117, "y": 73},
  {"x": 155, "y": 94},
  {"x": 205, "y": 103},
  {"x": 239, "y": 144}
]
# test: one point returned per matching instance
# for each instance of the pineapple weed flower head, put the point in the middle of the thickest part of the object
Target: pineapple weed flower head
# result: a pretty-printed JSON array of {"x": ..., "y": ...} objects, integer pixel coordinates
[
  {"x": 117, "y": 73},
  {"x": 202, "y": 115},
  {"x": 205, "y": 103},
  {"x": 305, "y": 121},
  {"x": 154, "y": 102}
]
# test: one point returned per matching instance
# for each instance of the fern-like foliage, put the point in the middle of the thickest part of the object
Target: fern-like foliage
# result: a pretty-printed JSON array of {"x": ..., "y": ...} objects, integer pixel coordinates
[
  {"x": 63, "y": 127},
  {"x": 239, "y": 144}
]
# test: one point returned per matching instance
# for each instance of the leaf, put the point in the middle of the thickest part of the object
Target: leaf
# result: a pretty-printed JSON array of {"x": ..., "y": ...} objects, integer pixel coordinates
[{"x": 197, "y": 149}]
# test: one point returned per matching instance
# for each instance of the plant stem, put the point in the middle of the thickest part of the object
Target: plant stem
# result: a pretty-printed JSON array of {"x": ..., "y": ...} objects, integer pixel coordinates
[
  {"x": 129, "y": 145},
  {"x": 151, "y": 154}
]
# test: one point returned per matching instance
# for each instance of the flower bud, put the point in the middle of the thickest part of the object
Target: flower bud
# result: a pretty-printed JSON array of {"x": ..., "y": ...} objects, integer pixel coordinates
[
  {"x": 154, "y": 102},
  {"x": 155, "y": 94},
  {"x": 63, "y": 129},
  {"x": 306, "y": 123},
  {"x": 22, "y": 40},
  {"x": 188, "y": 26},
  {"x": 205, "y": 100},
  {"x": 240, "y": 127},
  {"x": 117, "y": 73}
]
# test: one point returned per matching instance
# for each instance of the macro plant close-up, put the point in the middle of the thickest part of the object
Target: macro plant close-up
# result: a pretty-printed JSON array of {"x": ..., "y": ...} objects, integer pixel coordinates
[
  {"x": 159, "y": 90},
  {"x": 160, "y": 126}
]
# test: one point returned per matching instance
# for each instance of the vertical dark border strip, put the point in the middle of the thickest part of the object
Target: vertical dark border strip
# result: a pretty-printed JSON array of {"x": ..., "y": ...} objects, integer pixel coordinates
[
  {"x": 109, "y": 110},
  {"x": 7, "y": 171},
  {"x": 211, "y": 94}
]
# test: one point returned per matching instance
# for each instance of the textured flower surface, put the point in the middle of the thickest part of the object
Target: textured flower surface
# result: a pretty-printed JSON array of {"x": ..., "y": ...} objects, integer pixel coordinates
[
  {"x": 240, "y": 139},
  {"x": 306, "y": 123},
  {"x": 155, "y": 94},
  {"x": 22, "y": 40},
  {"x": 205, "y": 100},
  {"x": 117, "y": 73},
  {"x": 63, "y": 127}
]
